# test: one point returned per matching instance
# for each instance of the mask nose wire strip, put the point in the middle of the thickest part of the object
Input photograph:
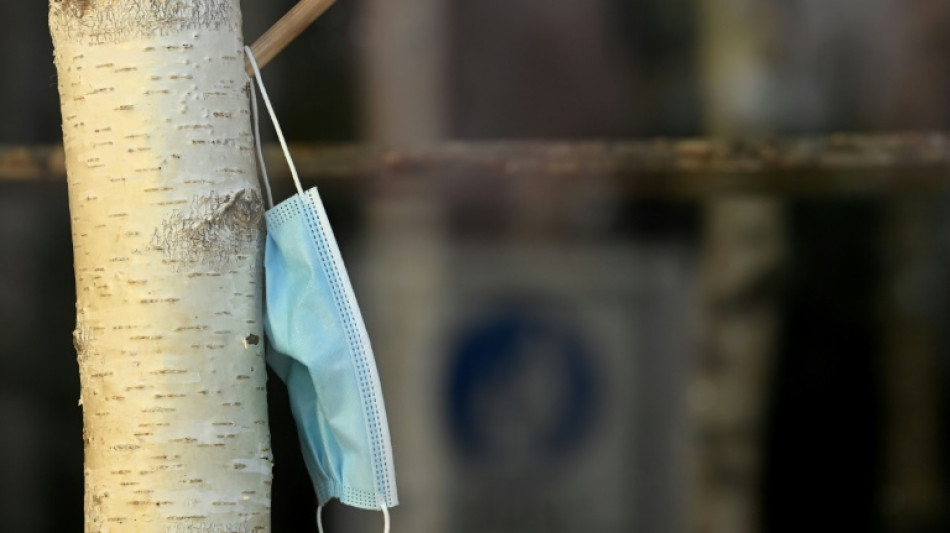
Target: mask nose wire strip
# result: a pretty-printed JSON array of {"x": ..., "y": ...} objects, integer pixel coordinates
[{"x": 273, "y": 117}]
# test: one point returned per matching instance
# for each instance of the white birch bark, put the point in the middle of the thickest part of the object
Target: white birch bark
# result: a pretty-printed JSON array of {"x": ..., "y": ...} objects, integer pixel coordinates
[{"x": 166, "y": 220}]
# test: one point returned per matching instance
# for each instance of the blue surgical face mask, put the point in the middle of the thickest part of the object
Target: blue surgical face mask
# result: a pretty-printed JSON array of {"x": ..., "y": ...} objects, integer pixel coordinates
[{"x": 319, "y": 347}]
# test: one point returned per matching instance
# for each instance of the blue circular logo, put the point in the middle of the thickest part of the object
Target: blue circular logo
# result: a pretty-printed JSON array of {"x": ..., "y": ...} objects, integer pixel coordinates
[{"x": 522, "y": 388}]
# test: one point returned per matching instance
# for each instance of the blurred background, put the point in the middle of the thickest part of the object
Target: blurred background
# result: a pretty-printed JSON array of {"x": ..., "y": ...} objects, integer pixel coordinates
[{"x": 581, "y": 324}]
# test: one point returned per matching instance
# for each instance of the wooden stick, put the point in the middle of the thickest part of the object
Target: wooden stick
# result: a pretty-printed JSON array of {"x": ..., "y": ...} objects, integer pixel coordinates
[{"x": 285, "y": 30}]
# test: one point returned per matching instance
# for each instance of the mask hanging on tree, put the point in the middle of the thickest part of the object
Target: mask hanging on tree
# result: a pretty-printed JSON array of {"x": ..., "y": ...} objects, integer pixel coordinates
[{"x": 319, "y": 347}]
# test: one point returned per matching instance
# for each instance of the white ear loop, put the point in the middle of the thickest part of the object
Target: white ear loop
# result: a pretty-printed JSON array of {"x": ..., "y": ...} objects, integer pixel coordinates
[
  {"x": 382, "y": 506},
  {"x": 257, "y": 145},
  {"x": 273, "y": 117}
]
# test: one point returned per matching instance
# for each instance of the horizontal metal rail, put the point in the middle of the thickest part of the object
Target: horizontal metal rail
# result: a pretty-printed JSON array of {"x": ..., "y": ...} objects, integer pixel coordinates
[{"x": 837, "y": 164}]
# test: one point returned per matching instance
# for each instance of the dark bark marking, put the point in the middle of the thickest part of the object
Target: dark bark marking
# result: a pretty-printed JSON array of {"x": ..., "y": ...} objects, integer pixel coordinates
[{"x": 213, "y": 230}]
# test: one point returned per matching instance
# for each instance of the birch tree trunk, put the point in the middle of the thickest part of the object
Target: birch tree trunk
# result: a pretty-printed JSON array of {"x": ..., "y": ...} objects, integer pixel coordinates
[{"x": 166, "y": 221}]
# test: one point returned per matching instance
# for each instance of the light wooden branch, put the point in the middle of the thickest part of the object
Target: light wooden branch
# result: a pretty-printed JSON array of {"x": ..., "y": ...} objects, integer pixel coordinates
[{"x": 285, "y": 30}]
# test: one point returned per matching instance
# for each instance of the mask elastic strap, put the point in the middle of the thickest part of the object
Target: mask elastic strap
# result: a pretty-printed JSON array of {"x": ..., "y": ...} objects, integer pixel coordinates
[
  {"x": 273, "y": 117},
  {"x": 257, "y": 144},
  {"x": 382, "y": 506}
]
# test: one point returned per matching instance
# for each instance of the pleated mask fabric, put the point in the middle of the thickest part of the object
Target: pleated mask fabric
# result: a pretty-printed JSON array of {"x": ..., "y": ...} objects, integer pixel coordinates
[{"x": 319, "y": 346}]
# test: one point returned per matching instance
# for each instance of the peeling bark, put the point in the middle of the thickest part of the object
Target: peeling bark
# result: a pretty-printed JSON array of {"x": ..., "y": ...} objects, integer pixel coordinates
[{"x": 214, "y": 229}]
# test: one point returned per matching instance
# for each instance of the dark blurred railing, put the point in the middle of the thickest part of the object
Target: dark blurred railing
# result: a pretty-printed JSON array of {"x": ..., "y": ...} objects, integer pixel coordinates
[{"x": 836, "y": 164}]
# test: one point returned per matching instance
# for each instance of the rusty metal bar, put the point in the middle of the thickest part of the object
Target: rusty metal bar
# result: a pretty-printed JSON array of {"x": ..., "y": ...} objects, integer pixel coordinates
[{"x": 840, "y": 164}]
